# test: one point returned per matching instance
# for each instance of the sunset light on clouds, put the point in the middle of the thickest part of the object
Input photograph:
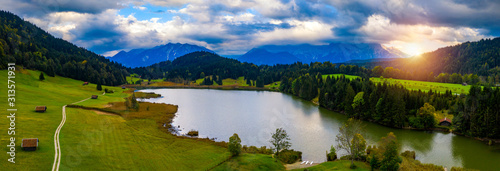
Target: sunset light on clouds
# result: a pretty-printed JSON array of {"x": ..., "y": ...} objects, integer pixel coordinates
[{"x": 232, "y": 27}]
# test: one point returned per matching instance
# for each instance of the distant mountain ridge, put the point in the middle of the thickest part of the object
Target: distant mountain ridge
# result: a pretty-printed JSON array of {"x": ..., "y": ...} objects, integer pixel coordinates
[
  {"x": 334, "y": 52},
  {"x": 146, "y": 57}
]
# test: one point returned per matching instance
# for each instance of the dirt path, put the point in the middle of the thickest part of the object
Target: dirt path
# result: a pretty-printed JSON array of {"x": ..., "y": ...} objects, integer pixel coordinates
[{"x": 57, "y": 145}]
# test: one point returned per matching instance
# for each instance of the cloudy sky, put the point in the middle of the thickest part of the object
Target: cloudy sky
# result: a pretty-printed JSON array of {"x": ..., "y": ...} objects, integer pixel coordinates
[{"x": 231, "y": 27}]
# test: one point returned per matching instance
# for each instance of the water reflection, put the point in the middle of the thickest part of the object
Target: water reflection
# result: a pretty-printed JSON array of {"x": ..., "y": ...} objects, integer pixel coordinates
[{"x": 254, "y": 115}]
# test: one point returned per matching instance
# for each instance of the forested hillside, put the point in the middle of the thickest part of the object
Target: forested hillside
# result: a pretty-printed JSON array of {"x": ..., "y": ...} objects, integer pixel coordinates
[
  {"x": 481, "y": 58},
  {"x": 31, "y": 47}
]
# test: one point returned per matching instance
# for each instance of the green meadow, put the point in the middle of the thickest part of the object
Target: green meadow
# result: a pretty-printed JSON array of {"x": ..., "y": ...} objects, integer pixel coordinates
[
  {"x": 415, "y": 85},
  {"x": 338, "y": 165},
  {"x": 247, "y": 161},
  {"x": 92, "y": 141}
]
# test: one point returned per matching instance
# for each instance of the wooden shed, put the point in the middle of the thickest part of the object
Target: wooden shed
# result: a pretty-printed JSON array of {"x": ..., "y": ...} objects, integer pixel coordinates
[
  {"x": 40, "y": 109},
  {"x": 85, "y": 83},
  {"x": 94, "y": 97},
  {"x": 123, "y": 87},
  {"x": 445, "y": 122},
  {"x": 29, "y": 144}
]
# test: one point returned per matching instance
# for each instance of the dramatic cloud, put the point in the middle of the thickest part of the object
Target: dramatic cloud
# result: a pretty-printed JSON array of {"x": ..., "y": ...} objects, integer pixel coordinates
[{"x": 235, "y": 26}]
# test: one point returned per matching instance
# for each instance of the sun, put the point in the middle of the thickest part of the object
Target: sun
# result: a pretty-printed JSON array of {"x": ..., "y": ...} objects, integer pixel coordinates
[{"x": 413, "y": 50}]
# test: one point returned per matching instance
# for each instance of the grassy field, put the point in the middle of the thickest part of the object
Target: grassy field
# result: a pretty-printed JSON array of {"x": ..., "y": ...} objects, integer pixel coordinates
[
  {"x": 338, "y": 165},
  {"x": 426, "y": 86},
  {"x": 248, "y": 161},
  {"x": 415, "y": 85},
  {"x": 92, "y": 141}
]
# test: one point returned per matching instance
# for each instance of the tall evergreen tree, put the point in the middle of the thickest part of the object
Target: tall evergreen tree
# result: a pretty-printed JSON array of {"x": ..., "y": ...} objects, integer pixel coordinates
[{"x": 41, "y": 77}]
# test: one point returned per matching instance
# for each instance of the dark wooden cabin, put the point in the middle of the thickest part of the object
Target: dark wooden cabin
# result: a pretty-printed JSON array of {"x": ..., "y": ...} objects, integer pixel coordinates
[
  {"x": 445, "y": 122},
  {"x": 85, "y": 83},
  {"x": 40, "y": 109},
  {"x": 29, "y": 144},
  {"x": 94, "y": 97}
]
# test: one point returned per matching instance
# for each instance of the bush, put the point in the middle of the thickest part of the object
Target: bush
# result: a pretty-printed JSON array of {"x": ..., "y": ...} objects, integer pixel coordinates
[
  {"x": 108, "y": 91},
  {"x": 234, "y": 145},
  {"x": 332, "y": 155},
  {"x": 193, "y": 133},
  {"x": 265, "y": 150},
  {"x": 252, "y": 149},
  {"x": 374, "y": 162},
  {"x": 409, "y": 154},
  {"x": 289, "y": 156}
]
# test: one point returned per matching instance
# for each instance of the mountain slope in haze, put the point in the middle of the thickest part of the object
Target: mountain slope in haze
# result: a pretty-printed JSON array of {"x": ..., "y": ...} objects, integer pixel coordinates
[
  {"x": 334, "y": 52},
  {"x": 146, "y": 57},
  {"x": 260, "y": 56},
  {"x": 29, "y": 46}
]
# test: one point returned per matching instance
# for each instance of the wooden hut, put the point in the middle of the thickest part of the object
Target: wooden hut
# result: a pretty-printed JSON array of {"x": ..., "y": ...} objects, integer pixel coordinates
[
  {"x": 85, "y": 83},
  {"x": 40, "y": 109},
  {"x": 445, "y": 122},
  {"x": 464, "y": 84},
  {"x": 94, "y": 97},
  {"x": 123, "y": 87},
  {"x": 29, "y": 144}
]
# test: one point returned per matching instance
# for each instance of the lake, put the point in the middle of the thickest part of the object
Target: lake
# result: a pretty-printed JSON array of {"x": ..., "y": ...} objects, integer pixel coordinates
[{"x": 254, "y": 115}]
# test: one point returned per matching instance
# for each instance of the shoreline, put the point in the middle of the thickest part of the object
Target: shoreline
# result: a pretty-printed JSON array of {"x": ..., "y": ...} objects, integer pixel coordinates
[{"x": 438, "y": 129}]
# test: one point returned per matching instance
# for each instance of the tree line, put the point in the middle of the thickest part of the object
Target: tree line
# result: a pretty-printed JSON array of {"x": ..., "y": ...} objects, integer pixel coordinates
[{"x": 31, "y": 47}]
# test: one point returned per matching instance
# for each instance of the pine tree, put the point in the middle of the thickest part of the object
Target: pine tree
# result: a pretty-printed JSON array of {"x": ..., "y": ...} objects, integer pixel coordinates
[
  {"x": 99, "y": 87},
  {"x": 41, "y": 77}
]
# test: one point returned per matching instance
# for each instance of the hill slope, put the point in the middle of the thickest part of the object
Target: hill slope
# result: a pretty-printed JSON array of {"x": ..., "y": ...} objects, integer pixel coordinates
[
  {"x": 146, "y": 57},
  {"x": 27, "y": 45},
  {"x": 481, "y": 58}
]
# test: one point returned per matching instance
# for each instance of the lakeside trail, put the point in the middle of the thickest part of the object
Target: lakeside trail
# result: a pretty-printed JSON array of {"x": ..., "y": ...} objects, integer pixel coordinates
[{"x": 57, "y": 145}]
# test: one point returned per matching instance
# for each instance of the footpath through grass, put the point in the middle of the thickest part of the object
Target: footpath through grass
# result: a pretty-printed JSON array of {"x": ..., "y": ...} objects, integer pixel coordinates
[{"x": 94, "y": 141}]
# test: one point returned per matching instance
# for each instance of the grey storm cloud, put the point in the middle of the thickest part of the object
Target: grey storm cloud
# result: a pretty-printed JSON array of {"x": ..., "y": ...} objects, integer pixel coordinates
[
  {"x": 346, "y": 17},
  {"x": 450, "y": 13},
  {"x": 43, "y": 7}
]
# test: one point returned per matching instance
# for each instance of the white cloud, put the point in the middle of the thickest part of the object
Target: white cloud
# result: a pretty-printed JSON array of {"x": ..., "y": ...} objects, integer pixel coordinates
[
  {"x": 415, "y": 38},
  {"x": 140, "y": 8},
  {"x": 313, "y": 32}
]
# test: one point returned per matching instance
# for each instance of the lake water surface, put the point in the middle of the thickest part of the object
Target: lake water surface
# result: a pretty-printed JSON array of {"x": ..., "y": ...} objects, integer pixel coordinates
[{"x": 254, "y": 115}]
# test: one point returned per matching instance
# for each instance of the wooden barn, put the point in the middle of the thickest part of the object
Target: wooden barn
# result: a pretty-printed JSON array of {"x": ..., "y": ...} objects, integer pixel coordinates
[
  {"x": 445, "y": 122},
  {"x": 29, "y": 144},
  {"x": 40, "y": 109},
  {"x": 94, "y": 97},
  {"x": 85, "y": 83}
]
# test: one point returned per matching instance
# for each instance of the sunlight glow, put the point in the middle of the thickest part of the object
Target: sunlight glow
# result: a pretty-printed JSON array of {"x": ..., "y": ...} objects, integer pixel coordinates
[{"x": 412, "y": 50}]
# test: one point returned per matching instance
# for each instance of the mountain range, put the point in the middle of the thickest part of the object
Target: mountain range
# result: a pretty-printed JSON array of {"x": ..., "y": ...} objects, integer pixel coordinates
[
  {"x": 266, "y": 55},
  {"x": 146, "y": 57},
  {"x": 306, "y": 53}
]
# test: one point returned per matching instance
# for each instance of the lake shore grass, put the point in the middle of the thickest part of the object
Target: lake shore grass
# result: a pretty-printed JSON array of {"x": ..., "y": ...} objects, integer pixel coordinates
[{"x": 248, "y": 161}]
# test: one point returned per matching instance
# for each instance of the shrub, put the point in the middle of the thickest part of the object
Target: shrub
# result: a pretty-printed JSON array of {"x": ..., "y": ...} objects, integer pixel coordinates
[
  {"x": 192, "y": 133},
  {"x": 289, "y": 156},
  {"x": 332, "y": 155},
  {"x": 374, "y": 162},
  {"x": 409, "y": 154},
  {"x": 234, "y": 145},
  {"x": 252, "y": 149}
]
